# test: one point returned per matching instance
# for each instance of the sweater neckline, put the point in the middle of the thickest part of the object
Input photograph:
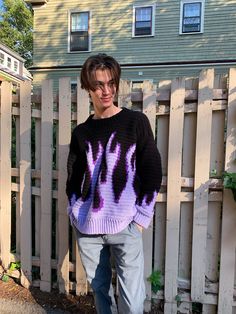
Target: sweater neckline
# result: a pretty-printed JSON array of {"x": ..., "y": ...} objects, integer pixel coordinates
[{"x": 106, "y": 120}]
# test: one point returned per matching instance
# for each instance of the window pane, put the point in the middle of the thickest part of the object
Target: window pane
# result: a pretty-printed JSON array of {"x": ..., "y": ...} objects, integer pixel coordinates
[
  {"x": 193, "y": 20},
  {"x": 143, "y": 31},
  {"x": 192, "y": 9},
  {"x": 79, "y": 21},
  {"x": 191, "y": 17},
  {"x": 143, "y": 24},
  {"x": 1, "y": 58},
  {"x": 144, "y": 14},
  {"x": 79, "y": 37},
  {"x": 143, "y": 21},
  {"x": 15, "y": 66},
  {"x": 9, "y": 62},
  {"x": 79, "y": 41}
]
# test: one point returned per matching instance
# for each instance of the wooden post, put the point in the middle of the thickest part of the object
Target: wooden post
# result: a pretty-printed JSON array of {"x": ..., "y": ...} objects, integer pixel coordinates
[
  {"x": 64, "y": 140},
  {"x": 37, "y": 184},
  {"x": 124, "y": 97},
  {"x": 228, "y": 238},
  {"x": 46, "y": 185},
  {"x": 5, "y": 172},
  {"x": 201, "y": 179},
  {"x": 82, "y": 115},
  {"x": 17, "y": 194},
  {"x": 82, "y": 103},
  {"x": 174, "y": 189},
  {"x": 25, "y": 184},
  {"x": 149, "y": 109}
]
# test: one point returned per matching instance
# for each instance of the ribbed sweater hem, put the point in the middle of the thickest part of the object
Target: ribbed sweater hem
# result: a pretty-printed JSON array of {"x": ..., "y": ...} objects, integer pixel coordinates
[{"x": 100, "y": 226}]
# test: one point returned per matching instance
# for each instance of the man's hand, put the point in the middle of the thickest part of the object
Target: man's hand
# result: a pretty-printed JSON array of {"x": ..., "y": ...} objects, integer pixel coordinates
[{"x": 140, "y": 228}]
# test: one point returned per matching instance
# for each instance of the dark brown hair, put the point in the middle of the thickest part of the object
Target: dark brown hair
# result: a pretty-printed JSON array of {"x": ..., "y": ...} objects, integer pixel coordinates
[{"x": 99, "y": 62}]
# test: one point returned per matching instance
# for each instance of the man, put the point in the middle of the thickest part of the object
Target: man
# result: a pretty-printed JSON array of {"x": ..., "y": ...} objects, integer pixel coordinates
[{"x": 114, "y": 175}]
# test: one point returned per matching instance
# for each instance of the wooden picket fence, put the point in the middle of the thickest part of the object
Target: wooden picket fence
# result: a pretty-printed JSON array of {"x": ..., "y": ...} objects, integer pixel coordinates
[{"x": 192, "y": 240}]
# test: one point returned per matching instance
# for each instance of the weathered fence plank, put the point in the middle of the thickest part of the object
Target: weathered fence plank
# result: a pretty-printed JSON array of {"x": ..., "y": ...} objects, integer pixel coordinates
[
  {"x": 82, "y": 114},
  {"x": 82, "y": 103},
  {"x": 25, "y": 184},
  {"x": 149, "y": 108},
  {"x": 17, "y": 123},
  {"x": 63, "y": 150},
  {"x": 5, "y": 172},
  {"x": 37, "y": 199},
  {"x": 46, "y": 185},
  {"x": 201, "y": 181},
  {"x": 228, "y": 239},
  {"x": 173, "y": 195}
]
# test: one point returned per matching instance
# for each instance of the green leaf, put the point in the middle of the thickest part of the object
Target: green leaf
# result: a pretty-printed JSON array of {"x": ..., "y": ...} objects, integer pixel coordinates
[
  {"x": 5, "y": 278},
  {"x": 229, "y": 180},
  {"x": 213, "y": 172},
  {"x": 16, "y": 19},
  {"x": 156, "y": 280},
  {"x": 178, "y": 298},
  {"x": 15, "y": 266}
]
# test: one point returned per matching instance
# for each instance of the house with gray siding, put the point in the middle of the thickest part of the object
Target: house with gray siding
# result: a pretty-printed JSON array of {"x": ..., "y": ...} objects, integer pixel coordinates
[{"x": 152, "y": 40}]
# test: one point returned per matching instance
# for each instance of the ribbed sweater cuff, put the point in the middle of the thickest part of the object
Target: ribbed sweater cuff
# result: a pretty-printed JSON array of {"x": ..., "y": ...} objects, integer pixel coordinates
[{"x": 142, "y": 219}]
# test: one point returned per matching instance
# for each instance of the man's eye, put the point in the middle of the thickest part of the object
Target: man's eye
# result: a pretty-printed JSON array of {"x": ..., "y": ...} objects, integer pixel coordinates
[{"x": 98, "y": 85}]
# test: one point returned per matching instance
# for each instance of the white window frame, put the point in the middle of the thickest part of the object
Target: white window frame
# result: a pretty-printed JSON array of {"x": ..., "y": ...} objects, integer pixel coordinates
[
  {"x": 74, "y": 82},
  {"x": 181, "y": 16},
  {"x": 16, "y": 65},
  {"x": 89, "y": 30},
  {"x": 4, "y": 58},
  {"x": 153, "y": 20},
  {"x": 9, "y": 62}
]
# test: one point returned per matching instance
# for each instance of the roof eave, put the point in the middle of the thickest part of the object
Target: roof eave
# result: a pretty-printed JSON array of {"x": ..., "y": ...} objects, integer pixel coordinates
[{"x": 37, "y": 2}]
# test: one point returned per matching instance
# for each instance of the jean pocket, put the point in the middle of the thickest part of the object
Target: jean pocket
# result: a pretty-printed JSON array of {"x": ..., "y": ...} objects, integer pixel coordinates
[{"x": 134, "y": 227}]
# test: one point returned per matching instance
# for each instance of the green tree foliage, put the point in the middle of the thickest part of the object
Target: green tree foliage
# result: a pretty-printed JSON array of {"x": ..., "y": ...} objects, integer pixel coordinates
[{"x": 16, "y": 28}]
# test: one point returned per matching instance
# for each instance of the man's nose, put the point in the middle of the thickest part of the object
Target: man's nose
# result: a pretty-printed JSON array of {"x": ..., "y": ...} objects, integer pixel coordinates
[{"x": 106, "y": 89}]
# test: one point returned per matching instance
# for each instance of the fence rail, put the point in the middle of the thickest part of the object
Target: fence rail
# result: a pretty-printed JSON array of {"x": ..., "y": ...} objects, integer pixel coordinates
[{"x": 192, "y": 239}]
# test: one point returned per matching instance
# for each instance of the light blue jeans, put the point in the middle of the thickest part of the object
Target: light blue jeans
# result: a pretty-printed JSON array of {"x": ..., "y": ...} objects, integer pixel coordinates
[{"x": 127, "y": 250}]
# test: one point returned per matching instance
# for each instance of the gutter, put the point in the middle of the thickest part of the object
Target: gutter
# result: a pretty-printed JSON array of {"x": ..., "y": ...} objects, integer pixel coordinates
[{"x": 182, "y": 64}]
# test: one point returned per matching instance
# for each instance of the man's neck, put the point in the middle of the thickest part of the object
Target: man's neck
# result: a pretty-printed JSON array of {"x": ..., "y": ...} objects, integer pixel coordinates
[{"x": 107, "y": 113}]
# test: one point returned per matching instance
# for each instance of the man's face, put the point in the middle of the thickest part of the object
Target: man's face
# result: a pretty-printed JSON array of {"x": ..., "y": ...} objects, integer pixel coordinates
[{"x": 103, "y": 96}]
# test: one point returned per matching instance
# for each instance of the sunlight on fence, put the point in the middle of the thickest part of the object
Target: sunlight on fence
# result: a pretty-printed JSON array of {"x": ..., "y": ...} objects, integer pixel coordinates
[{"x": 192, "y": 240}]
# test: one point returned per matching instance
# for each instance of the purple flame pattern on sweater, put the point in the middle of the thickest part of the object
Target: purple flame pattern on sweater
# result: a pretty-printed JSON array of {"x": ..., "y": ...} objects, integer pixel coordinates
[{"x": 114, "y": 173}]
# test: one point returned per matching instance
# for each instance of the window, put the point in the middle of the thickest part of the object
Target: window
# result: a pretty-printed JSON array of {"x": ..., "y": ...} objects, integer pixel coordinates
[
  {"x": 1, "y": 58},
  {"x": 15, "y": 66},
  {"x": 137, "y": 85},
  {"x": 73, "y": 85},
  {"x": 79, "y": 31},
  {"x": 191, "y": 17},
  {"x": 9, "y": 62},
  {"x": 143, "y": 21}
]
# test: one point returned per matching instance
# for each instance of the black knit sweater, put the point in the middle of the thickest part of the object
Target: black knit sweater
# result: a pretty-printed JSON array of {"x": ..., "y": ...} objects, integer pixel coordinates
[{"x": 114, "y": 173}]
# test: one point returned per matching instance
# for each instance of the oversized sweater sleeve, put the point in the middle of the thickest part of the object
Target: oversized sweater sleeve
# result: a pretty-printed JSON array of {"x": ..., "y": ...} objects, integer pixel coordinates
[
  {"x": 75, "y": 167},
  {"x": 149, "y": 172}
]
